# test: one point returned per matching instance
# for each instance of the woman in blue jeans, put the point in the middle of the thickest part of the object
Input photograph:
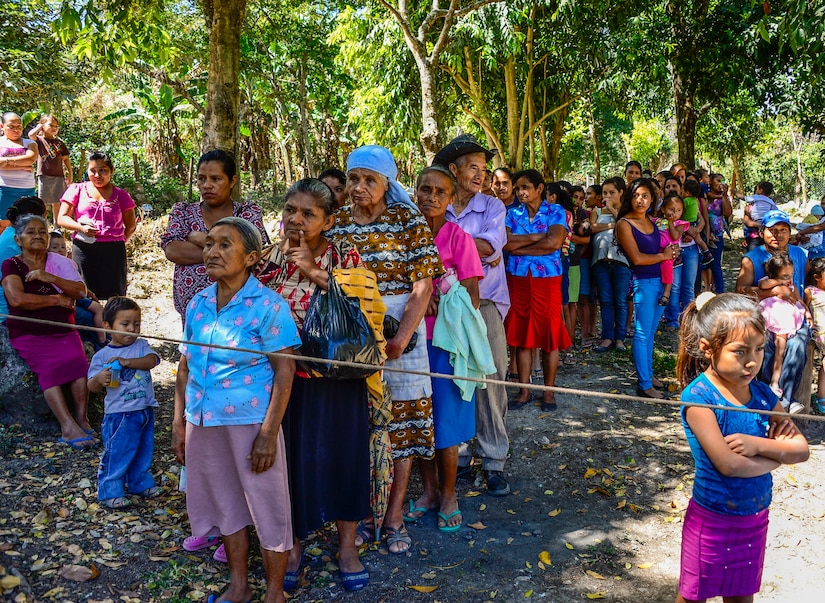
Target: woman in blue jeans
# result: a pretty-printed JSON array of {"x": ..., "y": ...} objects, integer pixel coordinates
[{"x": 639, "y": 240}]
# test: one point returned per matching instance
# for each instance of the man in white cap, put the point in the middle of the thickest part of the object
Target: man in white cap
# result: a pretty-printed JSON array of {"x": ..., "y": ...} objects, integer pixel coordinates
[{"x": 482, "y": 216}]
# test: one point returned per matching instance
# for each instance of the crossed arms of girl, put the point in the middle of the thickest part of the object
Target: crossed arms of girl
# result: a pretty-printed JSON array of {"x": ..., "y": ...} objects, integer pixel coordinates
[{"x": 741, "y": 455}]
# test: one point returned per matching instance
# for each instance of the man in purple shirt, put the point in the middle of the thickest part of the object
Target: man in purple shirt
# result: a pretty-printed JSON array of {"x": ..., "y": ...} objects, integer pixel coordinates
[{"x": 482, "y": 216}]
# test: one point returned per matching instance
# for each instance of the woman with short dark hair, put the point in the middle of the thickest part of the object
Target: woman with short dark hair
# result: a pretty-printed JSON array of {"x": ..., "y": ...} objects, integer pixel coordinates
[{"x": 185, "y": 235}]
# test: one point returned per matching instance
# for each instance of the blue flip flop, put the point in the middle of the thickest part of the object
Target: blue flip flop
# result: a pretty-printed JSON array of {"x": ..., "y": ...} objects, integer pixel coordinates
[
  {"x": 353, "y": 581},
  {"x": 214, "y": 598},
  {"x": 75, "y": 443},
  {"x": 447, "y": 528},
  {"x": 291, "y": 578}
]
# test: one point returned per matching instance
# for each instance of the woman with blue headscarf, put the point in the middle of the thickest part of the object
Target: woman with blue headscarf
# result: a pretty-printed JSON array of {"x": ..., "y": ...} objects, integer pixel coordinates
[{"x": 395, "y": 242}]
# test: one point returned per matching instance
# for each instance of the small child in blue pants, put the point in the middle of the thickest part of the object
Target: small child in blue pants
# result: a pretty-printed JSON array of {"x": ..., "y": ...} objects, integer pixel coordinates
[{"x": 128, "y": 429}]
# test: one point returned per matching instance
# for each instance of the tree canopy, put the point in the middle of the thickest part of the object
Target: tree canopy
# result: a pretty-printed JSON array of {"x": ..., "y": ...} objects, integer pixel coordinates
[{"x": 568, "y": 87}]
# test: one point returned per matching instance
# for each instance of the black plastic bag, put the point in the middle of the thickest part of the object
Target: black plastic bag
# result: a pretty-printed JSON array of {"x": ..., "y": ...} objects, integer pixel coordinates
[{"x": 335, "y": 328}]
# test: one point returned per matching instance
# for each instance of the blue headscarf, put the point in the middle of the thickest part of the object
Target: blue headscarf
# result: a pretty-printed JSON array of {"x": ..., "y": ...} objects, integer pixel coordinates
[{"x": 378, "y": 159}]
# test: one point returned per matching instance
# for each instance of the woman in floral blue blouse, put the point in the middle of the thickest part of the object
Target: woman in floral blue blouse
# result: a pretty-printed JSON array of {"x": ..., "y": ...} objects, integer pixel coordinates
[
  {"x": 229, "y": 405},
  {"x": 536, "y": 230}
]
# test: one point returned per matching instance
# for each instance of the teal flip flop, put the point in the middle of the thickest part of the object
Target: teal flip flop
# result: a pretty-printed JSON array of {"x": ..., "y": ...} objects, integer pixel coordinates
[
  {"x": 408, "y": 516},
  {"x": 447, "y": 528}
]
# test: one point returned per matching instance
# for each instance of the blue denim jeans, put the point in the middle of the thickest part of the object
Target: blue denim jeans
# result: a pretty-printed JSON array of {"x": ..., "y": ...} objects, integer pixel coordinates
[
  {"x": 128, "y": 445},
  {"x": 646, "y": 294},
  {"x": 9, "y": 194},
  {"x": 684, "y": 279},
  {"x": 796, "y": 355},
  {"x": 612, "y": 279},
  {"x": 716, "y": 267}
]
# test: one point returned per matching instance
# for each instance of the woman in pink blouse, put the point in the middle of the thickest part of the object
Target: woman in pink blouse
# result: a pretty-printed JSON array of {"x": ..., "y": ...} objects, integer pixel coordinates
[
  {"x": 102, "y": 217},
  {"x": 185, "y": 236},
  {"x": 454, "y": 419}
]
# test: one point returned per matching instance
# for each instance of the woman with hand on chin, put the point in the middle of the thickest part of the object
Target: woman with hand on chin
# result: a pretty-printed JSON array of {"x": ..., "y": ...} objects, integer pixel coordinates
[
  {"x": 228, "y": 410},
  {"x": 185, "y": 236},
  {"x": 639, "y": 240},
  {"x": 326, "y": 425}
]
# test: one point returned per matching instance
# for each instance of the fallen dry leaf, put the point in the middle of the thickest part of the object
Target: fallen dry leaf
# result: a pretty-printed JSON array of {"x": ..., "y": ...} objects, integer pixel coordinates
[
  {"x": 544, "y": 557},
  {"x": 590, "y": 473},
  {"x": 473, "y": 493},
  {"x": 422, "y": 589},
  {"x": 644, "y": 565},
  {"x": 78, "y": 573},
  {"x": 9, "y": 582},
  {"x": 594, "y": 595},
  {"x": 477, "y": 526},
  {"x": 554, "y": 512},
  {"x": 595, "y": 575},
  {"x": 569, "y": 546}
]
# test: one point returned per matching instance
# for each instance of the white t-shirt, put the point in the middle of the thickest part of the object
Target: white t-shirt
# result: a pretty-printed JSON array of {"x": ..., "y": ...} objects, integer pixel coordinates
[{"x": 24, "y": 177}]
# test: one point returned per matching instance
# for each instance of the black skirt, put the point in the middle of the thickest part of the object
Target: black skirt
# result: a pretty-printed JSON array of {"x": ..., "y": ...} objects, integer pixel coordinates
[
  {"x": 326, "y": 427},
  {"x": 103, "y": 266}
]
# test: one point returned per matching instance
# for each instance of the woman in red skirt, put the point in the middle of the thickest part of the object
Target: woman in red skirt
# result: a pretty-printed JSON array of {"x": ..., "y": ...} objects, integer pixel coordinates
[{"x": 536, "y": 230}]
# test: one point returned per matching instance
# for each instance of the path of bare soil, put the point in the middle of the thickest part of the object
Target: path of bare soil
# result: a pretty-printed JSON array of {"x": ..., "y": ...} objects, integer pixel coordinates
[{"x": 599, "y": 491}]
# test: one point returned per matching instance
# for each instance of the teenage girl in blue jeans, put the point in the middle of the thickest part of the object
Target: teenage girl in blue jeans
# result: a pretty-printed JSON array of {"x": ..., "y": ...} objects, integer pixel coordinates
[{"x": 639, "y": 240}]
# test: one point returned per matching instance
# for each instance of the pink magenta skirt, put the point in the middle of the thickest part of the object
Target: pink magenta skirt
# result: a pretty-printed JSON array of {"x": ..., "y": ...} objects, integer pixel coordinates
[
  {"x": 535, "y": 317},
  {"x": 722, "y": 555},
  {"x": 224, "y": 496},
  {"x": 55, "y": 359}
]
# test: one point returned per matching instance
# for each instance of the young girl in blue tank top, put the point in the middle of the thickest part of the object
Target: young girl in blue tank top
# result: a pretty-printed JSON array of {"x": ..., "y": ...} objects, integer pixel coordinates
[{"x": 726, "y": 524}]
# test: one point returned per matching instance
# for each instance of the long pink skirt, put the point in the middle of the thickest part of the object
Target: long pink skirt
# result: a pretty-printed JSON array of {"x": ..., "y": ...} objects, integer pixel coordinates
[
  {"x": 224, "y": 496},
  {"x": 55, "y": 359}
]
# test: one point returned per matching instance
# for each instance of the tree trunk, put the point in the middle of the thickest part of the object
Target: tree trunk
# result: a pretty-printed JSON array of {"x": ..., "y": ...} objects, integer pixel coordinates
[
  {"x": 736, "y": 178},
  {"x": 801, "y": 188},
  {"x": 594, "y": 139},
  {"x": 545, "y": 148},
  {"x": 685, "y": 121},
  {"x": 511, "y": 92},
  {"x": 307, "y": 163},
  {"x": 224, "y": 20},
  {"x": 431, "y": 132}
]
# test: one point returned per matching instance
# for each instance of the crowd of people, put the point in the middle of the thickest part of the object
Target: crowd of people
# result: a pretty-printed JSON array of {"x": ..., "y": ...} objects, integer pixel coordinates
[{"x": 477, "y": 273}]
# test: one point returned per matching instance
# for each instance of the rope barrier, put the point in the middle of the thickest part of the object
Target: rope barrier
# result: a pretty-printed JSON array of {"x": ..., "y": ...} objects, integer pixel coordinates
[{"x": 527, "y": 386}]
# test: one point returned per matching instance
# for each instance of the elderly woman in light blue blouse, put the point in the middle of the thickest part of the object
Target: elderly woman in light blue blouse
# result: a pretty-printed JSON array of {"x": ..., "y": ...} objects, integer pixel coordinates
[{"x": 229, "y": 405}]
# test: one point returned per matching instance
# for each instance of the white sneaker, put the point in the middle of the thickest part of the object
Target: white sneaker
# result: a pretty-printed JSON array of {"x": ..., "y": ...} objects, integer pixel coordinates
[{"x": 795, "y": 408}]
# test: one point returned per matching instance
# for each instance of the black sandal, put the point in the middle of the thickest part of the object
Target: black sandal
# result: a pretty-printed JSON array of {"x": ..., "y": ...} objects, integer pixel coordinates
[
  {"x": 365, "y": 530},
  {"x": 396, "y": 536}
]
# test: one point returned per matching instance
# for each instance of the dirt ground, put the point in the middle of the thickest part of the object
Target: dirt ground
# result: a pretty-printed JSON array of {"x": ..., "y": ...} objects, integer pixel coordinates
[{"x": 599, "y": 492}]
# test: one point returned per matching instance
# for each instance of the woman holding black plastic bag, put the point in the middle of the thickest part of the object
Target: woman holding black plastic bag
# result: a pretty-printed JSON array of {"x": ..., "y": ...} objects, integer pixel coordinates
[{"x": 326, "y": 424}]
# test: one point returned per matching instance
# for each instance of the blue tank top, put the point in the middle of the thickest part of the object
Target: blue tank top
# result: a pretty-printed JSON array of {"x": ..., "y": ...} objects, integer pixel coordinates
[{"x": 649, "y": 244}]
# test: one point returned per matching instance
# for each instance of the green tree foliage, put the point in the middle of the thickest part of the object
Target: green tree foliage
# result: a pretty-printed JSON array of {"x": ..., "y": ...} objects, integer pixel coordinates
[{"x": 35, "y": 69}]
